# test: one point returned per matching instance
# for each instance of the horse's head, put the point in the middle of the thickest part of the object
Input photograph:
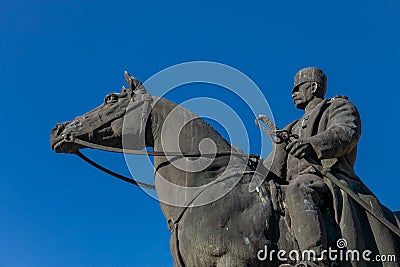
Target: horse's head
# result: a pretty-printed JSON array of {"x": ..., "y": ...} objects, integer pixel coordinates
[{"x": 102, "y": 125}]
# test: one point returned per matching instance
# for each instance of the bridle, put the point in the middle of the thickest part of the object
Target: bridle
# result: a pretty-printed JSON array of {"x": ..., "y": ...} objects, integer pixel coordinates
[
  {"x": 147, "y": 99},
  {"x": 143, "y": 153}
]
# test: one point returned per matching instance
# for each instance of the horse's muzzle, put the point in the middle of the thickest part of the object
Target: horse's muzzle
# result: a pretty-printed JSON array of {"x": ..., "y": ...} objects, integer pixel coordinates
[{"x": 59, "y": 139}]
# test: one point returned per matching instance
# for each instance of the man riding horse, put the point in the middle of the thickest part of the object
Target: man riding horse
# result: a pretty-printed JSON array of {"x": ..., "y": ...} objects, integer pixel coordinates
[
  {"x": 318, "y": 211},
  {"x": 225, "y": 224}
]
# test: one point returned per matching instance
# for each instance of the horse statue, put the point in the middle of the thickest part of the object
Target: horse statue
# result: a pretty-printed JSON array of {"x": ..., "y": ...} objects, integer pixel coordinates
[{"x": 214, "y": 218}]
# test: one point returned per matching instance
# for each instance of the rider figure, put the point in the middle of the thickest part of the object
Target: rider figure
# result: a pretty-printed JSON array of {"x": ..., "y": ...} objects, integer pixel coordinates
[{"x": 328, "y": 132}]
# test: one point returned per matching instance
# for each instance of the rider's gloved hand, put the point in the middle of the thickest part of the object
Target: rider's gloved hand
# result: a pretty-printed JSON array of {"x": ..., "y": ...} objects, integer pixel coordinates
[{"x": 300, "y": 148}]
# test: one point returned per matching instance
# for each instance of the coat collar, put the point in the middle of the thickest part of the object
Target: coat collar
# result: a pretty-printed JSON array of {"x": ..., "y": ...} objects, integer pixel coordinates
[
  {"x": 313, "y": 104},
  {"x": 313, "y": 117}
]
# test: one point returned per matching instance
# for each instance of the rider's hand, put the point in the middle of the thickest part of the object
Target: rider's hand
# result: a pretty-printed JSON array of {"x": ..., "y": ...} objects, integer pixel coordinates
[{"x": 300, "y": 149}]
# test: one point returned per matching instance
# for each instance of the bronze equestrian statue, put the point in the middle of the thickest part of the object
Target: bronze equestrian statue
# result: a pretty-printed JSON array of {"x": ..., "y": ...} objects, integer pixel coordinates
[{"x": 214, "y": 218}]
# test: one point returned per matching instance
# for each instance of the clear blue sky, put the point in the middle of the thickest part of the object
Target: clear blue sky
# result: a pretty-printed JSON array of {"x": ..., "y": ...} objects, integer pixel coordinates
[{"x": 59, "y": 58}]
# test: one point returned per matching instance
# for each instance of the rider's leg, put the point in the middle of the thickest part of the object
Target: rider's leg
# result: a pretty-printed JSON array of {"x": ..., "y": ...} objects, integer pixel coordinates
[{"x": 305, "y": 195}]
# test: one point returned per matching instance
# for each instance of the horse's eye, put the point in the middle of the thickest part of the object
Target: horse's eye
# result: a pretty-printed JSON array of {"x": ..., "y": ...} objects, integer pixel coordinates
[{"x": 111, "y": 99}]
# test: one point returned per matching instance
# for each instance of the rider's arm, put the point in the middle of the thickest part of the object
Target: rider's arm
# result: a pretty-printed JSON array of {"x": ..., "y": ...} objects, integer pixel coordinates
[{"x": 342, "y": 132}]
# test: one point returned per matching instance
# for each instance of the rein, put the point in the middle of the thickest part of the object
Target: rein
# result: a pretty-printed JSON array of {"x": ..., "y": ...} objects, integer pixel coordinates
[
  {"x": 134, "y": 181},
  {"x": 116, "y": 175}
]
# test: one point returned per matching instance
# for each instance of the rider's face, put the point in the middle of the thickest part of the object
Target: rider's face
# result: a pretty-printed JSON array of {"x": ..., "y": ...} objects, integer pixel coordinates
[{"x": 303, "y": 94}]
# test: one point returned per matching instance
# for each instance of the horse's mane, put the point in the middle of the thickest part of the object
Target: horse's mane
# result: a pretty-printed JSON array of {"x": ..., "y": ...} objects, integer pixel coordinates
[
  {"x": 207, "y": 128},
  {"x": 212, "y": 130}
]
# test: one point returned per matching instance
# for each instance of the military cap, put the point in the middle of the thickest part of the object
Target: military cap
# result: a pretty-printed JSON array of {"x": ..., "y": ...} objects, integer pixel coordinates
[{"x": 310, "y": 75}]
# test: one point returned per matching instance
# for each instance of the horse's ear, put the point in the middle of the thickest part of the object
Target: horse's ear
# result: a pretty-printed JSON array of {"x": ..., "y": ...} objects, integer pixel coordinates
[
  {"x": 128, "y": 79},
  {"x": 133, "y": 83}
]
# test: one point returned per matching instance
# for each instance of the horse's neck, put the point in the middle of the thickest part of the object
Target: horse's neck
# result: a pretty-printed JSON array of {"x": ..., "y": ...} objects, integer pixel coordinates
[{"x": 176, "y": 128}]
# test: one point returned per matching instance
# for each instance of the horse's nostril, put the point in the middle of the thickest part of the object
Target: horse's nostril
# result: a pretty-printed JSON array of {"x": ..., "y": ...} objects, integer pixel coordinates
[
  {"x": 60, "y": 129},
  {"x": 56, "y": 130}
]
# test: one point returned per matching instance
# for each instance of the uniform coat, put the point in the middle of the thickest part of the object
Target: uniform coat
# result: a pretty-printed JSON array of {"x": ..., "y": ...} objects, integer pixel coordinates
[{"x": 333, "y": 129}]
